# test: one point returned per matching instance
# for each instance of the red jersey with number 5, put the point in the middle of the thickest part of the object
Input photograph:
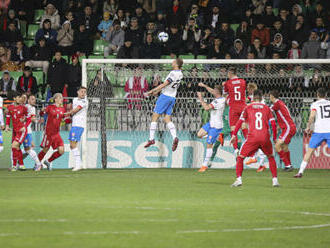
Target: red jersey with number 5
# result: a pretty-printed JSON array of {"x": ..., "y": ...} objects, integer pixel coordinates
[
  {"x": 18, "y": 114},
  {"x": 235, "y": 88},
  {"x": 54, "y": 119},
  {"x": 257, "y": 115},
  {"x": 283, "y": 115}
]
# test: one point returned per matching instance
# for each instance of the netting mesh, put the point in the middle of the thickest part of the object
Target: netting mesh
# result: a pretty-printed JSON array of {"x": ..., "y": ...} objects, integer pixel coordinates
[{"x": 126, "y": 109}]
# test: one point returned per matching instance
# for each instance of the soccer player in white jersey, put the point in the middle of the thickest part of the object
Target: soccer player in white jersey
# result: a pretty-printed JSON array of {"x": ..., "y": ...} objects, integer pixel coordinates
[
  {"x": 79, "y": 113},
  {"x": 165, "y": 102},
  {"x": 2, "y": 124},
  {"x": 28, "y": 143},
  {"x": 320, "y": 114},
  {"x": 213, "y": 128}
]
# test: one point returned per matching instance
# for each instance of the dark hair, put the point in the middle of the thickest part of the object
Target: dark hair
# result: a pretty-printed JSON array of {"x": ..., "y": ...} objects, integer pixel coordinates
[
  {"x": 15, "y": 94},
  {"x": 274, "y": 93},
  {"x": 179, "y": 62},
  {"x": 233, "y": 70},
  {"x": 116, "y": 22},
  {"x": 257, "y": 94},
  {"x": 321, "y": 92}
]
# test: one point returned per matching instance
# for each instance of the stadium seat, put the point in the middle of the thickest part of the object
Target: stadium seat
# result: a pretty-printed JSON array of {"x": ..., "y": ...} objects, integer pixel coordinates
[
  {"x": 111, "y": 118},
  {"x": 32, "y": 30},
  {"x": 234, "y": 27},
  {"x": 29, "y": 43},
  {"x": 38, "y": 13},
  {"x": 39, "y": 75},
  {"x": 118, "y": 92},
  {"x": 23, "y": 29},
  {"x": 201, "y": 57},
  {"x": 187, "y": 56},
  {"x": 96, "y": 57},
  {"x": 275, "y": 11},
  {"x": 99, "y": 47},
  {"x": 16, "y": 75}
]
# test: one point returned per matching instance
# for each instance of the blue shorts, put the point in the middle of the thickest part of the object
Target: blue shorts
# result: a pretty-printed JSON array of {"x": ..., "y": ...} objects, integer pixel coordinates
[
  {"x": 75, "y": 133},
  {"x": 27, "y": 141},
  {"x": 212, "y": 133},
  {"x": 1, "y": 138},
  {"x": 164, "y": 105},
  {"x": 318, "y": 138}
]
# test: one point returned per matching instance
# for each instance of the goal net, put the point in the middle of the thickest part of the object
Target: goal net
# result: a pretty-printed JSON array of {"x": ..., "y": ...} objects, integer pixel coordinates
[{"x": 119, "y": 114}]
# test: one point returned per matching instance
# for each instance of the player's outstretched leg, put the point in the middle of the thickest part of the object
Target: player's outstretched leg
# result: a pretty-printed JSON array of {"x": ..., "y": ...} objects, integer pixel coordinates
[
  {"x": 305, "y": 161},
  {"x": 284, "y": 153},
  {"x": 54, "y": 156},
  {"x": 152, "y": 130},
  {"x": 239, "y": 171},
  {"x": 273, "y": 170},
  {"x": 220, "y": 141},
  {"x": 171, "y": 127}
]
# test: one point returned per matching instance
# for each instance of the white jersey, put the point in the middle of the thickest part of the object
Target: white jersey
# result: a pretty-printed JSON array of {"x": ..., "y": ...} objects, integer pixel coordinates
[
  {"x": 80, "y": 118},
  {"x": 174, "y": 78},
  {"x": 216, "y": 115},
  {"x": 322, "y": 121},
  {"x": 2, "y": 122},
  {"x": 31, "y": 113}
]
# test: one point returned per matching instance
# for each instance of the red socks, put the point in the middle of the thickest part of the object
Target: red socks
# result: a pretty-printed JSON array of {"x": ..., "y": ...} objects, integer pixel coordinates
[
  {"x": 17, "y": 156},
  {"x": 54, "y": 156},
  {"x": 245, "y": 132},
  {"x": 14, "y": 156},
  {"x": 272, "y": 166},
  {"x": 41, "y": 155},
  {"x": 235, "y": 145},
  {"x": 239, "y": 166},
  {"x": 284, "y": 158},
  {"x": 287, "y": 154}
]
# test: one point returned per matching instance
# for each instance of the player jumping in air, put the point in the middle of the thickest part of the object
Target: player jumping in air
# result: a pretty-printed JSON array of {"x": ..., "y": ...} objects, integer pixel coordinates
[
  {"x": 79, "y": 113},
  {"x": 257, "y": 115},
  {"x": 320, "y": 114},
  {"x": 52, "y": 138},
  {"x": 28, "y": 143},
  {"x": 235, "y": 88},
  {"x": 2, "y": 124},
  {"x": 213, "y": 128},
  {"x": 165, "y": 102},
  {"x": 287, "y": 126},
  {"x": 18, "y": 113}
]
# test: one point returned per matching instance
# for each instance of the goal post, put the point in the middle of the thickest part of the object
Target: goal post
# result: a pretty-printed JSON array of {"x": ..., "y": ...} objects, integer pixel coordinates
[{"x": 124, "y": 114}]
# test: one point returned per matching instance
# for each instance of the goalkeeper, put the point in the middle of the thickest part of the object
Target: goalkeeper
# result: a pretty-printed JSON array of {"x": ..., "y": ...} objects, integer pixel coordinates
[{"x": 225, "y": 133}]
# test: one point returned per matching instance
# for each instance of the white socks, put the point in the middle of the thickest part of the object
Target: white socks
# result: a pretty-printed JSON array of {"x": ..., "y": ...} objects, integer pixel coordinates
[
  {"x": 302, "y": 167},
  {"x": 34, "y": 156},
  {"x": 1, "y": 149},
  {"x": 153, "y": 127},
  {"x": 208, "y": 155},
  {"x": 172, "y": 129},
  {"x": 76, "y": 154}
]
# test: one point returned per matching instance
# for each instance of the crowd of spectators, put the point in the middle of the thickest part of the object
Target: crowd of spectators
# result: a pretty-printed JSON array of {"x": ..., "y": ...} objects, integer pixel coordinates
[{"x": 263, "y": 29}]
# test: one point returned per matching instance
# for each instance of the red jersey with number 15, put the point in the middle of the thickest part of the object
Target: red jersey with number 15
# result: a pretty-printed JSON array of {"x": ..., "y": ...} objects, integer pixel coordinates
[
  {"x": 283, "y": 115},
  {"x": 235, "y": 88},
  {"x": 18, "y": 114},
  {"x": 257, "y": 115},
  {"x": 54, "y": 119}
]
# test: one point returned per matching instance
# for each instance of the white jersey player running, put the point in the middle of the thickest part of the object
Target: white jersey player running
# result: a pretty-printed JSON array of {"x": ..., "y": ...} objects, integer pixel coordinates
[
  {"x": 2, "y": 124},
  {"x": 79, "y": 113},
  {"x": 165, "y": 102},
  {"x": 213, "y": 128},
  {"x": 320, "y": 114}
]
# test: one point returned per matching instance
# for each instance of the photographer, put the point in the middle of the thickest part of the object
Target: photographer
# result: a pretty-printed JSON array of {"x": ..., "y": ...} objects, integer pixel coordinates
[{"x": 191, "y": 36}]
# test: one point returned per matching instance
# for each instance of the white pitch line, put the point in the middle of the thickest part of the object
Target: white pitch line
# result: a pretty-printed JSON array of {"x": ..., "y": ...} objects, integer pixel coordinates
[
  {"x": 254, "y": 229},
  {"x": 294, "y": 212},
  {"x": 33, "y": 220},
  {"x": 8, "y": 234},
  {"x": 101, "y": 233}
]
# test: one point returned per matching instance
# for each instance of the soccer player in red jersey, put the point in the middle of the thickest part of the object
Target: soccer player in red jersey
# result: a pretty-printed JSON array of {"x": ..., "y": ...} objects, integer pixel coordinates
[
  {"x": 18, "y": 113},
  {"x": 287, "y": 126},
  {"x": 235, "y": 88},
  {"x": 52, "y": 138},
  {"x": 257, "y": 115}
]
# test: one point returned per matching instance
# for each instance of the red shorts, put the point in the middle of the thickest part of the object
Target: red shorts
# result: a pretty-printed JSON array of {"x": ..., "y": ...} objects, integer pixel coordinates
[
  {"x": 19, "y": 136},
  {"x": 251, "y": 146},
  {"x": 287, "y": 134},
  {"x": 53, "y": 141},
  {"x": 235, "y": 114}
]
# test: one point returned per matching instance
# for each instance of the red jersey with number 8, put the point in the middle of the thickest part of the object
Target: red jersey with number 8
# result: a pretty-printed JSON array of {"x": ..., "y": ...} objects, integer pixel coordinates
[{"x": 235, "y": 88}]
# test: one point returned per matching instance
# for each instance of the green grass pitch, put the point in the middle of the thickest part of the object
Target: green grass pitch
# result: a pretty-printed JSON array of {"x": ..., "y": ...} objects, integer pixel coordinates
[{"x": 161, "y": 208}]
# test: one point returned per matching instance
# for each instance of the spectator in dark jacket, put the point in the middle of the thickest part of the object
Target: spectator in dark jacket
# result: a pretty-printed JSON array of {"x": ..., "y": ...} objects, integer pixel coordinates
[
  {"x": 243, "y": 32},
  {"x": 83, "y": 45},
  {"x": 48, "y": 33},
  {"x": 74, "y": 72},
  {"x": 257, "y": 49},
  {"x": 7, "y": 84},
  {"x": 278, "y": 29},
  {"x": 300, "y": 30},
  {"x": 278, "y": 46},
  {"x": 27, "y": 82},
  {"x": 238, "y": 51},
  {"x": 24, "y": 9},
  {"x": 12, "y": 18},
  {"x": 268, "y": 17},
  {"x": 12, "y": 35},
  {"x": 135, "y": 33},
  {"x": 150, "y": 49},
  {"x": 175, "y": 42},
  {"x": 216, "y": 51},
  {"x": 312, "y": 48},
  {"x": 214, "y": 18},
  {"x": 89, "y": 20},
  {"x": 226, "y": 34},
  {"x": 40, "y": 56},
  {"x": 206, "y": 40},
  {"x": 176, "y": 15},
  {"x": 142, "y": 16},
  {"x": 128, "y": 51},
  {"x": 20, "y": 53},
  {"x": 191, "y": 37},
  {"x": 57, "y": 74}
]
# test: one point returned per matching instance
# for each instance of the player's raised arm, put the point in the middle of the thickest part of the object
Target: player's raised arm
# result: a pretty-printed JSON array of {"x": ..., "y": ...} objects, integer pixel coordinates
[
  {"x": 209, "y": 89},
  {"x": 158, "y": 88},
  {"x": 205, "y": 105}
]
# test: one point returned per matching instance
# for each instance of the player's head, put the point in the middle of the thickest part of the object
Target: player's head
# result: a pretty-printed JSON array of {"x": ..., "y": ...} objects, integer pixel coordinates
[
  {"x": 321, "y": 93},
  {"x": 251, "y": 87},
  {"x": 58, "y": 98},
  {"x": 273, "y": 95},
  {"x": 218, "y": 90},
  {"x": 257, "y": 95},
  {"x": 17, "y": 97},
  {"x": 32, "y": 100},
  {"x": 82, "y": 91},
  {"x": 232, "y": 72},
  {"x": 177, "y": 63}
]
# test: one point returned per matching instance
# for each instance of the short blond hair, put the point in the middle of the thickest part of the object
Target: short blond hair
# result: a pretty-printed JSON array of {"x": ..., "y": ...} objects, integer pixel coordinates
[{"x": 252, "y": 86}]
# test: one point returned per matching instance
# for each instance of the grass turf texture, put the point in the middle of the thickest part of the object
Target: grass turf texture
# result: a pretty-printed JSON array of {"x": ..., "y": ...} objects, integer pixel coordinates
[{"x": 163, "y": 208}]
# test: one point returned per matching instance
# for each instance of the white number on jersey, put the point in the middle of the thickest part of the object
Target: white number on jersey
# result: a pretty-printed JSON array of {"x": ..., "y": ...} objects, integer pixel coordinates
[
  {"x": 258, "y": 120},
  {"x": 237, "y": 93}
]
